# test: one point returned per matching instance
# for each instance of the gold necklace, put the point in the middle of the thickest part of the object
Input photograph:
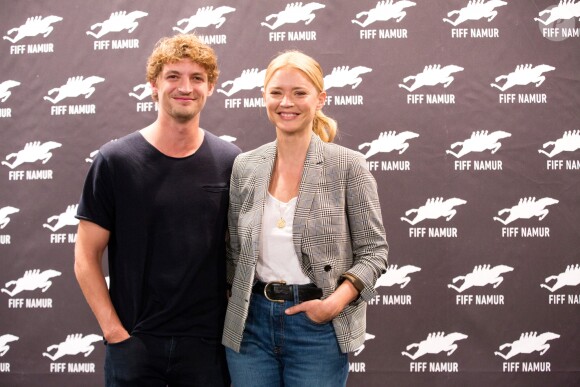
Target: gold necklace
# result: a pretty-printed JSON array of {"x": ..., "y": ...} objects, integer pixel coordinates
[{"x": 281, "y": 223}]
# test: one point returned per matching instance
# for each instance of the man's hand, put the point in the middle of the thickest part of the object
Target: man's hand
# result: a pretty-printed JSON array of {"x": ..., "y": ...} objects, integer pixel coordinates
[{"x": 117, "y": 336}]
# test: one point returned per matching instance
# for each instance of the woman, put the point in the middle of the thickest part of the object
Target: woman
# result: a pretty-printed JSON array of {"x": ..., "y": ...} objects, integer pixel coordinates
[{"x": 306, "y": 244}]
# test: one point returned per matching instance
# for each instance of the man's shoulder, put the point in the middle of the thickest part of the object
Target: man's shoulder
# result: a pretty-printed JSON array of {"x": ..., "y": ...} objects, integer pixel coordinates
[
  {"x": 222, "y": 144},
  {"x": 121, "y": 144}
]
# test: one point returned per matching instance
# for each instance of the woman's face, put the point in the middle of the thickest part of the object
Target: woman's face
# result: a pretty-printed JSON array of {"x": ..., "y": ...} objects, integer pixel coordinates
[{"x": 292, "y": 101}]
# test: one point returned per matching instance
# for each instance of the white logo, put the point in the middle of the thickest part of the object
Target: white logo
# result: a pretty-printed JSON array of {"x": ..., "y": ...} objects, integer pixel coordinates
[
  {"x": 74, "y": 87},
  {"x": 566, "y": 9},
  {"x": 204, "y": 17},
  {"x": 479, "y": 142},
  {"x": 434, "y": 208},
  {"x": 343, "y": 76},
  {"x": 387, "y": 142},
  {"x": 384, "y": 10},
  {"x": 227, "y": 138},
  {"x": 73, "y": 345},
  {"x": 526, "y": 209},
  {"x": 397, "y": 276},
  {"x": 92, "y": 156},
  {"x": 480, "y": 276},
  {"x": 32, "y": 152},
  {"x": 523, "y": 75},
  {"x": 475, "y": 10},
  {"x": 66, "y": 218},
  {"x": 34, "y": 26},
  {"x": 368, "y": 336},
  {"x": 570, "y": 277},
  {"x": 431, "y": 76},
  {"x": 435, "y": 342},
  {"x": 4, "y": 340},
  {"x": 4, "y": 87},
  {"x": 250, "y": 79},
  {"x": 527, "y": 343},
  {"x": 31, "y": 280},
  {"x": 569, "y": 142},
  {"x": 94, "y": 153},
  {"x": 147, "y": 91},
  {"x": 118, "y": 21},
  {"x": 4, "y": 215},
  {"x": 293, "y": 13}
]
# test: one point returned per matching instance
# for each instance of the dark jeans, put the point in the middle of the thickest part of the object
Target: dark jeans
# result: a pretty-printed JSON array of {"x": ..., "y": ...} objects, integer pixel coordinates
[{"x": 154, "y": 361}]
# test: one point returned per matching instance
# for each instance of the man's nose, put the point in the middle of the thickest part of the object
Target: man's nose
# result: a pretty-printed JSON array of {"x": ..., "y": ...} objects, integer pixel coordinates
[{"x": 185, "y": 86}]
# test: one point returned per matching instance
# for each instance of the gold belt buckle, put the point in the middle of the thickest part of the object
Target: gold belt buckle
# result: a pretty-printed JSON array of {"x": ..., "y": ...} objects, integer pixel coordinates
[{"x": 266, "y": 290}]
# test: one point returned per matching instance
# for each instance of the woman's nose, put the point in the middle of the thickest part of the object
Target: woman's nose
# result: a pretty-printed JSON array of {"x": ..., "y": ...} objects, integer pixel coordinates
[{"x": 286, "y": 101}]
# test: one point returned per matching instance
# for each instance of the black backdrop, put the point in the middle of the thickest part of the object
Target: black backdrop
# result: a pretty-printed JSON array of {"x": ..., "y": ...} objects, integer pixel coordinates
[{"x": 469, "y": 299}]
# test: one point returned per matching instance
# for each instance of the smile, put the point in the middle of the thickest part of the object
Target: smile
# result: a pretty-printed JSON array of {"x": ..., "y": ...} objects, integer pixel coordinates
[
  {"x": 288, "y": 115},
  {"x": 183, "y": 98}
]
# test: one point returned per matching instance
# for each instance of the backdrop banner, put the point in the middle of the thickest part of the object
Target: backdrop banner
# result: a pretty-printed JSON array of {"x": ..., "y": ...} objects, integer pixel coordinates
[{"x": 467, "y": 112}]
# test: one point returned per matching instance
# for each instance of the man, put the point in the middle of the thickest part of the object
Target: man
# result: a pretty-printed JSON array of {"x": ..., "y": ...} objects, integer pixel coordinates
[{"x": 157, "y": 199}]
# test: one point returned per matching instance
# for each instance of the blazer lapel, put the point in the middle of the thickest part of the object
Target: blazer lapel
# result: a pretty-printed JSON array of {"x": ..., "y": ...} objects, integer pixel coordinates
[
  {"x": 262, "y": 175},
  {"x": 311, "y": 177}
]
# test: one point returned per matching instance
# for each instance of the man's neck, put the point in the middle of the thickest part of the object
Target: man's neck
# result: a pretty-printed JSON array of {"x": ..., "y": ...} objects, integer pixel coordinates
[{"x": 173, "y": 139}]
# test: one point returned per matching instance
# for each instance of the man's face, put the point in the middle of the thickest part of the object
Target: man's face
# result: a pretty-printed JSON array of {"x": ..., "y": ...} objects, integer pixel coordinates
[{"x": 182, "y": 89}]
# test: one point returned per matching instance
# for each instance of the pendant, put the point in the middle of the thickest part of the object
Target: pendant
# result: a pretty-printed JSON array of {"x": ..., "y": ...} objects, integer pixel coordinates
[{"x": 281, "y": 223}]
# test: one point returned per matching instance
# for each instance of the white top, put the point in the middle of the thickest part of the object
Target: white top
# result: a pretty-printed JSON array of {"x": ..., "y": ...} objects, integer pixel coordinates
[{"x": 277, "y": 260}]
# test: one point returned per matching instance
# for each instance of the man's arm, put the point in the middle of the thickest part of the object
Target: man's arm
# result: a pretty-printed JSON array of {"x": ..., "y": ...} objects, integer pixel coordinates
[{"x": 91, "y": 242}]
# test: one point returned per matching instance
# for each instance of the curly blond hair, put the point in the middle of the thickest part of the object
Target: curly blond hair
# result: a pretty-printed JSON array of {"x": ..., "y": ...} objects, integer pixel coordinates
[{"x": 181, "y": 46}]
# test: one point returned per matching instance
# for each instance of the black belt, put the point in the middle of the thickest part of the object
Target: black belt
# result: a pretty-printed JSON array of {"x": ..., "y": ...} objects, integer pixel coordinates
[{"x": 278, "y": 291}]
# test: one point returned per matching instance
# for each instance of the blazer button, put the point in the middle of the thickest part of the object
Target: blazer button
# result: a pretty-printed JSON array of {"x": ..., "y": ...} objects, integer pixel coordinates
[{"x": 327, "y": 268}]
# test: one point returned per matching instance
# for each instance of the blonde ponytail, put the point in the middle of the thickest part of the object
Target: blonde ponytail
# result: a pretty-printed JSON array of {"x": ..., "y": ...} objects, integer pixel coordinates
[{"x": 324, "y": 126}]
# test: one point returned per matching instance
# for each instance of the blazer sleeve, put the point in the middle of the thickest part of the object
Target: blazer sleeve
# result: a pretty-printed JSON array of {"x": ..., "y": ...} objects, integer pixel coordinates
[
  {"x": 233, "y": 242},
  {"x": 369, "y": 244}
]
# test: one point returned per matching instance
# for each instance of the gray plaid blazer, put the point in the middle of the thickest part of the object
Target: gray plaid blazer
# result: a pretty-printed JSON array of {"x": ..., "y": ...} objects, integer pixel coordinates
[{"x": 337, "y": 228}]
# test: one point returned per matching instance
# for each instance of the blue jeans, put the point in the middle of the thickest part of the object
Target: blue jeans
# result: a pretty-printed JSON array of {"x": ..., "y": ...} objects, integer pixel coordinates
[
  {"x": 281, "y": 350},
  {"x": 155, "y": 361}
]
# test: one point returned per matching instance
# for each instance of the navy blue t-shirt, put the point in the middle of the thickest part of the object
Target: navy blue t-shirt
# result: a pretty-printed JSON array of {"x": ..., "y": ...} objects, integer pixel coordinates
[{"x": 168, "y": 219}]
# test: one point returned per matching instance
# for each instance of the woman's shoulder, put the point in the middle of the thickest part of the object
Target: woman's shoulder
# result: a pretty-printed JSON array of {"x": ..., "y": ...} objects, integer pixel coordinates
[
  {"x": 333, "y": 151},
  {"x": 257, "y": 153},
  {"x": 246, "y": 162}
]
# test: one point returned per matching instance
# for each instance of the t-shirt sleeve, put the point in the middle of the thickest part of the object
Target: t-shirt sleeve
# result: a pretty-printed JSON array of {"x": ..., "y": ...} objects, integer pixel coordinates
[{"x": 96, "y": 204}]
